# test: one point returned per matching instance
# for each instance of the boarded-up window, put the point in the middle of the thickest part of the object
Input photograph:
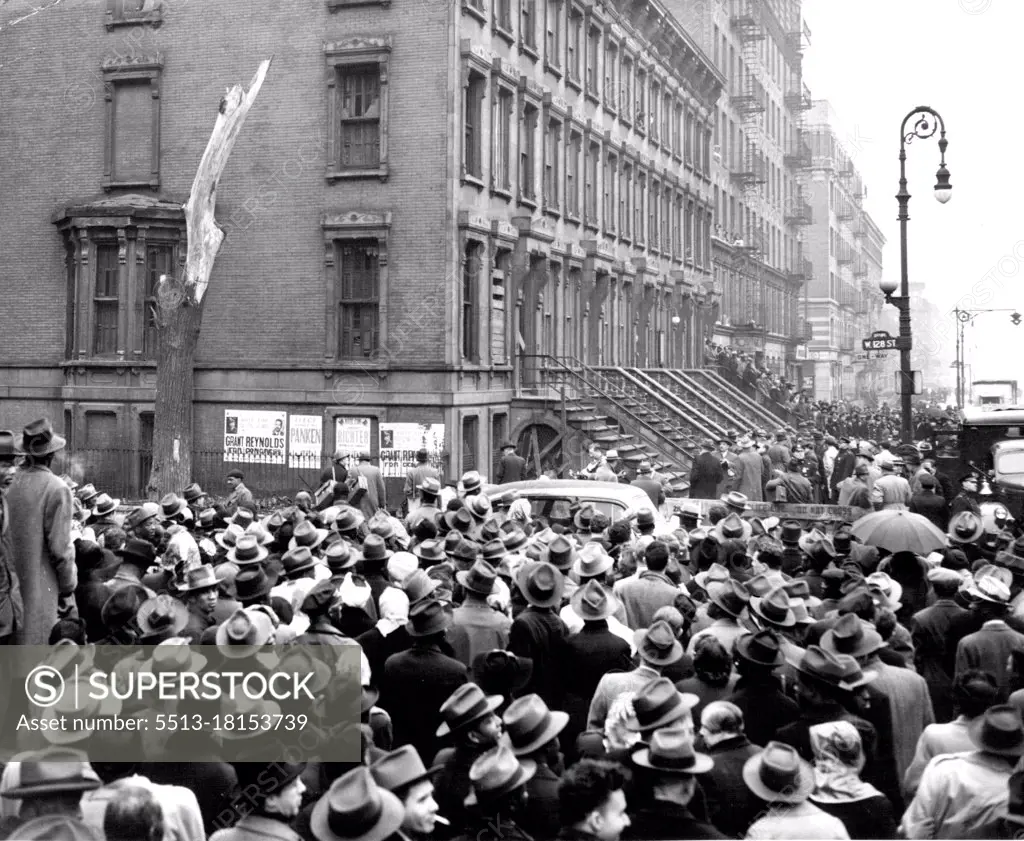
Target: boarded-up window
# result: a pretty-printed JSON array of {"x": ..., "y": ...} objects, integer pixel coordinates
[
  {"x": 358, "y": 298},
  {"x": 100, "y": 430},
  {"x": 105, "y": 301},
  {"x": 360, "y": 116},
  {"x": 133, "y": 131}
]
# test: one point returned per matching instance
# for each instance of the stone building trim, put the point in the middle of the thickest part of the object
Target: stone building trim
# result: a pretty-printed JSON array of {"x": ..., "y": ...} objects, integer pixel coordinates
[{"x": 117, "y": 15}]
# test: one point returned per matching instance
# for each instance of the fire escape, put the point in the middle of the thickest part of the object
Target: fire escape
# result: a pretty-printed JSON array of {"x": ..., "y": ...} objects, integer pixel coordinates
[{"x": 748, "y": 98}]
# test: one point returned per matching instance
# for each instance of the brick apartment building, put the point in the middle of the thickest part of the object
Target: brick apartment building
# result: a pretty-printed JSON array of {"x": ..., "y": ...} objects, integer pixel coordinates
[{"x": 425, "y": 195}]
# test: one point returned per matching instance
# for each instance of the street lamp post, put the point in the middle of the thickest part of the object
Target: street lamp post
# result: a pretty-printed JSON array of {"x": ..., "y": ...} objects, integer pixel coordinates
[{"x": 926, "y": 121}]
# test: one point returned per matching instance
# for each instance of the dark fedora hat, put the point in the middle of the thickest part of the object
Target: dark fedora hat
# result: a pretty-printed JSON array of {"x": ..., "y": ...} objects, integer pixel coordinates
[
  {"x": 340, "y": 557},
  {"x": 355, "y": 808},
  {"x": 104, "y": 505},
  {"x": 658, "y": 703},
  {"x": 8, "y": 446},
  {"x": 419, "y": 585},
  {"x": 479, "y": 578},
  {"x": 56, "y": 770},
  {"x": 840, "y": 670},
  {"x": 39, "y": 439},
  {"x": 851, "y": 635},
  {"x": 497, "y": 772},
  {"x": 514, "y": 539},
  {"x": 348, "y": 519},
  {"x": 122, "y": 605},
  {"x": 306, "y": 535},
  {"x": 592, "y": 602},
  {"x": 493, "y": 551},
  {"x": 161, "y": 615},
  {"x": 320, "y": 598},
  {"x": 760, "y": 649},
  {"x": 541, "y": 584},
  {"x": 645, "y": 518},
  {"x": 490, "y": 531},
  {"x": 431, "y": 551},
  {"x": 374, "y": 548},
  {"x": 561, "y": 553},
  {"x": 253, "y": 583},
  {"x": 193, "y": 493},
  {"x": 297, "y": 561},
  {"x": 467, "y": 551},
  {"x": 774, "y": 608},
  {"x": 671, "y": 751},
  {"x": 530, "y": 724},
  {"x": 658, "y": 644},
  {"x": 465, "y": 706},
  {"x": 998, "y": 730},
  {"x": 137, "y": 552},
  {"x": 247, "y": 550},
  {"x": 790, "y": 532},
  {"x": 584, "y": 517},
  {"x": 427, "y": 617},
  {"x": 730, "y": 596},
  {"x": 459, "y": 520},
  {"x": 500, "y": 672}
]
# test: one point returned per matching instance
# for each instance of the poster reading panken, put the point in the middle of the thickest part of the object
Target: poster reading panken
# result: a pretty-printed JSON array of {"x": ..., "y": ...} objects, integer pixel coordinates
[
  {"x": 305, "y": 441},
  {"x": 352, "y": 437},
  {"x": 400, "y": 441},
  {"x": 255, "y": 437}
]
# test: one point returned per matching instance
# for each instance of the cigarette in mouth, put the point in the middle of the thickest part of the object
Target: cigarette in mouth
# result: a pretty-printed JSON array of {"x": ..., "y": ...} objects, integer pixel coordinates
[{"x": 442, "y": 821}]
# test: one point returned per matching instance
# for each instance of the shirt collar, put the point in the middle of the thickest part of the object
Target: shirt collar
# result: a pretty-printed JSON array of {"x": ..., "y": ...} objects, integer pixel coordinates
[{"x": 995, "y": 625}]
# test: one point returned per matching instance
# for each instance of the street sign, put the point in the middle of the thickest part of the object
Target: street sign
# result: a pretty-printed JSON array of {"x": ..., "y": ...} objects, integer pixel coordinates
[{"x": 881, "y": 340}]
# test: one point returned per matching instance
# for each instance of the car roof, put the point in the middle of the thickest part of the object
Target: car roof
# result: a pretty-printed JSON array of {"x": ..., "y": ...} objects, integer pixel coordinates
[{"x": 570, "y": 487}]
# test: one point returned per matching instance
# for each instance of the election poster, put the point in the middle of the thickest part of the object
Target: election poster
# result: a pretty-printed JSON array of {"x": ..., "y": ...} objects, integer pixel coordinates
[
  {"x": 352, "y": 437},
  {"x": 305, "y": 441},
  {"x": 399, "y": 443},
  {"x": 255, "y": 437}
]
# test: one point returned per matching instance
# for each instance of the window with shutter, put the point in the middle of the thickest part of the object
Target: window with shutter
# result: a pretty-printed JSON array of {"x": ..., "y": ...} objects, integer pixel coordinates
[
  {"x": 105, "y": 301},
  {"x": 358, "y": 299}
]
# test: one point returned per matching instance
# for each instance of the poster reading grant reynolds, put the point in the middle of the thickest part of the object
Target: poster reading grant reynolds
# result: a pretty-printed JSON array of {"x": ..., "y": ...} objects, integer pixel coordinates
[
  {"x": 400, "y": 441},
  {"x": 254, "y": 437}
]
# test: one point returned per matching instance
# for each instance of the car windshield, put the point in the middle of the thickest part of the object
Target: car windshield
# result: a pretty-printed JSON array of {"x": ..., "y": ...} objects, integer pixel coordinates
[
  {"x": 1010, "y": 462},
  {"x": 560, "y": 510}
]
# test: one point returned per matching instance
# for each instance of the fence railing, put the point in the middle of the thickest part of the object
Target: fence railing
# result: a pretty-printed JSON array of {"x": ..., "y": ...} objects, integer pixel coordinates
[{"x": 123, "y": 473}]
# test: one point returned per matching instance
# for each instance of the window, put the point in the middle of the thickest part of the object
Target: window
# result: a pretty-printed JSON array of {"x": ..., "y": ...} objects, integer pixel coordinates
[
  {"x": 358, "y": 298},
  {"x": 611, "y": 71},
  {"x": 625, "y": 95},
  {"x": 499, "y": 432},
  {"x": 590, "y": 186},
  {"x": 552, "y": 156},
  {"x": 640, "y": 109},
  {"x": 574, "y": 44},
  {"x": 528, "y": 155},
  {"x": 688, "y": 232},
  {"x": 498, "y": 329},
  {"x": 105, "y": 301},
  {"x": 666, "y": 219},
  {"x": 503, "y": 14},
  {"x": 501, "y": 149},
  {"x": 572, "y": 175},
  {"x": 528, "y": 25},
  {"x": 688, "y": 139},
  {"x": 626, "y": 200},
  {"x": 159, "y": 261},
  {"x": 472, "y": 134},
  {"x": 471, "y": 302},
  {"x": 358, "y": 105},
  {"x": 134, "y": 13},
  {"x": 113, "y": 275},
  {"x": 611, "y": 180},
  {"x": 571, "y": 313},
  {"x": 677, "y": 228},
  {"x": 593, "y": 62},
  {"x": 666, "y": 122},
  {"x": 639, "y": 208},
  {"x": 476, "y": 5},
  {"x": 470, "y": 434},
  {"x": 654, "y": 121},
  {"x": 553, "y": 34},
  {"x": 132, "y": 137},
  {"x": 706, "y": 151},
  {"x": 654, "y": 214}
]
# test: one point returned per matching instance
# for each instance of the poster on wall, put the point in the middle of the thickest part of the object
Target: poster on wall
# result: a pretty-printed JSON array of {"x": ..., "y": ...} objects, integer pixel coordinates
[
  {"x": 399, "y": 443},
  {"x": 255, "y": 437},
  {"x": 305, "y": 441},
  {"x": 352, "y": 437}
]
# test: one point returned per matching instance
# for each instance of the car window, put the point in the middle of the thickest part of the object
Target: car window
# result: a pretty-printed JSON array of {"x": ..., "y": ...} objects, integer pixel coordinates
[
  {"x": 612, "y": 510},
  {"x": 1010, "y": 462}
]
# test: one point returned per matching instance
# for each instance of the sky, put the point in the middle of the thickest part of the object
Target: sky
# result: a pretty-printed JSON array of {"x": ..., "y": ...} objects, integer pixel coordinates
[{"x": 875, "y": 60}]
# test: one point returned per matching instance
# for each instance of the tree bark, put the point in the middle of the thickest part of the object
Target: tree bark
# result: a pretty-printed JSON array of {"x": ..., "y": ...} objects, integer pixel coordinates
[{"x": 180, "y": 302}]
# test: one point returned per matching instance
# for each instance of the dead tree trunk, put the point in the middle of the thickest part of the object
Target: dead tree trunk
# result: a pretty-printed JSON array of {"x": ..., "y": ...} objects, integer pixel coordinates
[{"x": 180, "y": 301}]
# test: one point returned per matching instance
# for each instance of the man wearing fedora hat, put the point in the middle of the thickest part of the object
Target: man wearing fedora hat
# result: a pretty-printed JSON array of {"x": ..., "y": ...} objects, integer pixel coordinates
[
  {"x": 657, "y": 647},
  {"x": 136, "y": 557},
  {"x": 991, "y": 647},
  {"x": 498, "y": 797},
  {"x": 199, "y": 592},
  {"x": 732, "y": 807},
  {"x": 38, "y": 525},
  {"x": 533, "y": 731},
  {"x": 705, "y": 472},
  {"x": 728, "y": 602},
  {"x": 49, "y": 782},
  {"x": 476, "y": 626},
  {"x": 512, "y": 467},
  {"x": 427, "y": 504},
  {"x": 416, "y": 682},
  {"x": 670, "y": 767},
  {"x": 757, "y": 692},
  {"x": 403, "y": 773},
  {"x": 270, "y": 798},
  {"x": 416, "y": 479},
  {"x": 356, "y": 808},
  {"x": 537, "y": 633},
  {"x": 651, "y": 589},
  {"x": 778, "y": 776},
  {"x": 963, "y": 795}
]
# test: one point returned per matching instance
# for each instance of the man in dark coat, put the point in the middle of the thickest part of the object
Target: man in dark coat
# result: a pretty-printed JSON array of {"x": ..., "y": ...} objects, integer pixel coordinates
[
  {"x": 843, "y": 468},
  {"x": 797, "y": 488},
  {"x": 758, "y": 694},
  {"x": 929, "y": 504},
  {"x": 731, "y": 806},
  {"x": 538, "y": 632},
  {"x": 418, "y": 681},
  {"x": 10, "y": 591},
  {"x": 967, "y": 499},
  {"x": 648, "y": 485},
  {"x": 512, "y": 467},
  {"x": 592, "y": 801},
  {"x": 533, "y": 732},
  {"x": 706, "y": 473},
  {"x": 936, "y": 631}
]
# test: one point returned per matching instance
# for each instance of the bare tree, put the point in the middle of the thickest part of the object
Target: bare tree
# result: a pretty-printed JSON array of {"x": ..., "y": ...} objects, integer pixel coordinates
[{"x": 179, "y": 315}]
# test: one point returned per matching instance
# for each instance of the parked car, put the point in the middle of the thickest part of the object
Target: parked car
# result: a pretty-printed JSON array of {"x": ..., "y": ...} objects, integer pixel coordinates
[{"x": 557, "y": 499}]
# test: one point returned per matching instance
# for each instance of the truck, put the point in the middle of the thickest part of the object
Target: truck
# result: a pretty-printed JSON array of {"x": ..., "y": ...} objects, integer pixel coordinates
[{"x": 989, "y": 393}]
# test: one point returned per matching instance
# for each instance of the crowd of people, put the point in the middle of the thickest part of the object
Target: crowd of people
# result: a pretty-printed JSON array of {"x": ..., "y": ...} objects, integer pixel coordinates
[{"x": 713, "y": 676}]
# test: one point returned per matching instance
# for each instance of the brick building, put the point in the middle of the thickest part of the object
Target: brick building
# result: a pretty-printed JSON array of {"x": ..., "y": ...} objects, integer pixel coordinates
[
  {"x": 843, "y": 301},
  {"x": 425, "y": 196}
]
